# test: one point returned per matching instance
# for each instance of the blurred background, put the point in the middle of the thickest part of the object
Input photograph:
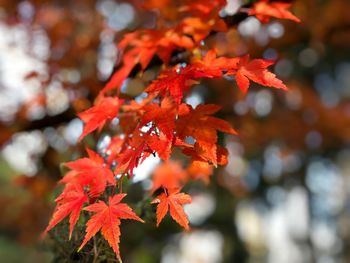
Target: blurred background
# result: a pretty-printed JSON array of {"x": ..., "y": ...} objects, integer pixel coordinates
[{"x": 283, "y": 198}]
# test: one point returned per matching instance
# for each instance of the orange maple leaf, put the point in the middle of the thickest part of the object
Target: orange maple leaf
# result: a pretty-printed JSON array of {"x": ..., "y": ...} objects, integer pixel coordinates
[
  {"x": 256, "y": 70},
  {"x": 206, "y": 152},
  {"x": 160, "y": 144},
  {"x": 120, "y": 75},
  {"x": 168, "y": 175},
  {"x": 141, "y": 146},
  {"x": 174, "y": 81},
  {"x": 69, "y": 202},
  {"x": 134, "y": 153},
  {"x": 200, "y": 28},
  {"x": 199, "y": 169},
  {"x": 264, "y": 10},
  {"x": 91, "y": 172},
  {"x": 173, "y": 201},
  {"x": 96, "y": 117},
  {"x": 203, "y": 128},
  {"x": 114, "y": 148},
  {"x": 212, "y": 66},
  {"x": 144, "y": 44},
  {"x": 163, "y": 116},
  {"x": 107, "y": 220}
]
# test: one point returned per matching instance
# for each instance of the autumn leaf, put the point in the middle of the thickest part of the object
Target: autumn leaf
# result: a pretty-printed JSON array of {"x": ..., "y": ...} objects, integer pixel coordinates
[
  {"x": 114, "y": 148},
  {"x": 163, "y": 116},
  {"x": 133, "y": 155},
  {"x": 264, "y": 10},
  {"x": 160, "y": 144},
  {"x": 69, "y": 202},
  {"x": 203, "y": 9},
  {"x": 175, "y": 81},
  {"x": 144, "y": 44},
  {"x": 256, "y": 70},
  {"x": 173, "y": 201},
  {"x": 119, "y": 76},
  {"x": 206, "y": 152},
  {"x": 199, "y": 28},
  {"x": 106, "y": 219},
  {"x": 96, "y": 117},
  {"x": 141, "y": 146},
  {"x": 168, "y": 175},
  {"x": 211, "y": 66},
  {"x": 92, "y": 172},
  {"x": 200, "y": 170},
  {"x": 198, "y": 123},
  {"x": 158, "y": 122}
]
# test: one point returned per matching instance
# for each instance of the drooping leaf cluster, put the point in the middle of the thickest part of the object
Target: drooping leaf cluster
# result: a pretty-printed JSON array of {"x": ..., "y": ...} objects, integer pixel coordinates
[{"x": 161, "y": 122}]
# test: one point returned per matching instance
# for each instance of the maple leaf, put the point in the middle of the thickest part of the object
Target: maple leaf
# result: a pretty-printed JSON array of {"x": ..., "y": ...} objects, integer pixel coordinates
[
  {"x": 160, "y": 144},
  {"x": 168, "y": 175},
  {"x": 141, "y": 146},
  {"x": 199, "y": 169},
  {"x": 163, "y": 116},
  {"x": 95, "y": 118},
  {"x": 203, "y": 9},
  {"x": 69, "y": 202},
  {"x": 256, "y": 70},
  {"x": 212, "y": 66},
  {"x": 107, "y": 220},
  {"x": 175, "y": 81},
  {"x": 134, "y": 154},
  {"x": 120, "y": 75},
  {"x": 206, "y": 152},
  {"x": 173, "y": 201},
  {"x": 203, "y": 128},
  {"x": 91, "y": 172},
  {"x": 198, "y": 124},
  {"x": 199, "y": 28},
  {"x": 263, "y": 10},
  {"x": 146, "y": 43},
  {"x": 114, "y": 148}
]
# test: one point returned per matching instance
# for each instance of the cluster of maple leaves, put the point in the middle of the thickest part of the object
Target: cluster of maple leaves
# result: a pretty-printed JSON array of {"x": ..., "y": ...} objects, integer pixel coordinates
[{"x": 161, "y": 121}]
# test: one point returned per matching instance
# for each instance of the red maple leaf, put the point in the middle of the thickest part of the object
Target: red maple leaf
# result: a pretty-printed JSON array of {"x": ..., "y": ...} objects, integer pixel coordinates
[
  {"x": 107, "y": 220},
  {"x": 206, "y": 152},
  {"x": 203, "y": 128},
  {"x": 174, "y": 81},
  {"x": 69, "y": 202},
  {"x": 168, "y": 175},
  {"x": 146, "y": 43},
  {"x": 141, "y": 146},
  {"x": 173, "y": 201},
  {"x": 120, "y": 75},
  {"x": 163, "y": 116},
  {"x": 91, "y": 172},
  {"x": 95, "y": 118},
  {"x": 200, "y": 27},
  {"x": 203, "y": 9},
  {"x": 114, "y": 148},
  {"x": 160, "y": 144},
  {"x": 212, "y": 66},
  {"x": 256, "y": 70},
  {"x": 134, "y": 153},
  {"x": 264, "y": 10},
  {"x": 198, "y": 124},
  {"x": 199, "y": 169}
]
